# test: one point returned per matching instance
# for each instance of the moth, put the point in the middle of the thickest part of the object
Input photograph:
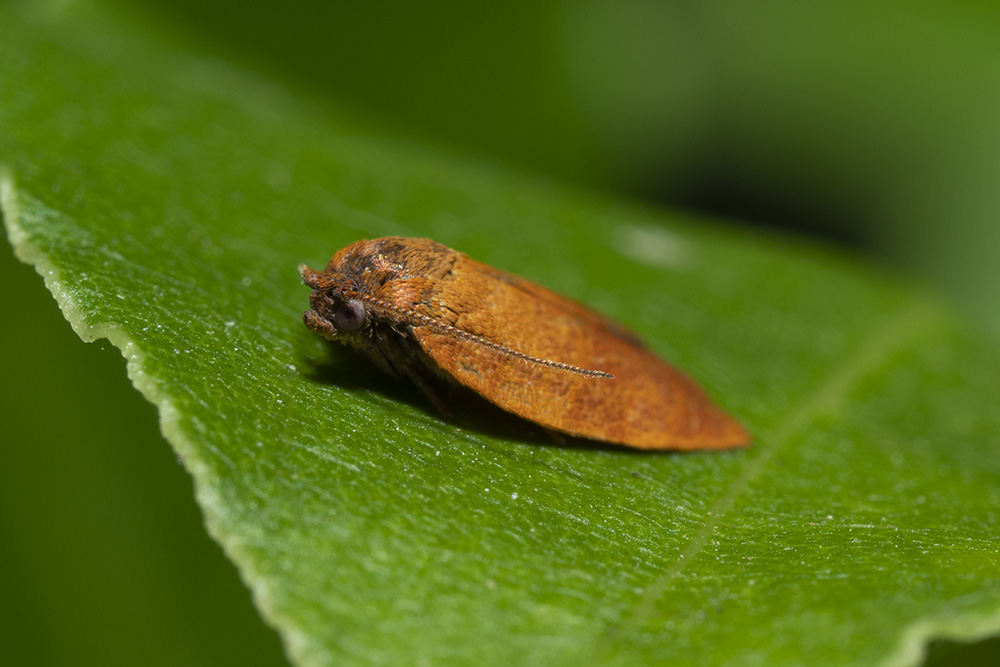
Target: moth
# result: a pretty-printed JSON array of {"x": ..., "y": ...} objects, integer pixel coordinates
[{"x": 424, "y": 312}]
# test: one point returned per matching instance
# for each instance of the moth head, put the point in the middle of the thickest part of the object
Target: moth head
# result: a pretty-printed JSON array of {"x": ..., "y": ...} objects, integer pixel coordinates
[{"x": 334, "y": 310}]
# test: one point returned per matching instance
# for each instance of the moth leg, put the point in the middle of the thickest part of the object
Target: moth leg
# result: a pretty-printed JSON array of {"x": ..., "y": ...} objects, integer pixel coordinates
[
  {"x": 435, "y": 400},
  {"x": 557, "y": 437},
  {"x": 399, "y": 358}
]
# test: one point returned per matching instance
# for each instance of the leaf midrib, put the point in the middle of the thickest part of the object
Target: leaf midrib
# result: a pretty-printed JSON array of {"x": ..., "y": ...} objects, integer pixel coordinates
[{"x": 896, "y": 333}]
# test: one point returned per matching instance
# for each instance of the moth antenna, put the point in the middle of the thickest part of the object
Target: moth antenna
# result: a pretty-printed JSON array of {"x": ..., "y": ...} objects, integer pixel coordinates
[{"x": 426, "y": 320}]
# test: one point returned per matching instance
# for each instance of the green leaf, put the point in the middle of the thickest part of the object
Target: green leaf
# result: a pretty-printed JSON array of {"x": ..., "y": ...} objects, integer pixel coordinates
[{"x": 167, "y": 198}]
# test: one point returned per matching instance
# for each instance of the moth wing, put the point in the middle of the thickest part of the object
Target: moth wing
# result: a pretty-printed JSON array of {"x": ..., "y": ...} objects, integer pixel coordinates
[{"x": 647, "y": 404}]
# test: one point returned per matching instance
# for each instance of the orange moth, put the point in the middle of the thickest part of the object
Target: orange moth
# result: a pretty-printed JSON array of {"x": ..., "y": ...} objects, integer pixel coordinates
[{"x": 422, "y": 311}]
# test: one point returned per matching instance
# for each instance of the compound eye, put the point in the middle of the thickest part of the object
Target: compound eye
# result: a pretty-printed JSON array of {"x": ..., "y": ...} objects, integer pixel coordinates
[{"x": 349, "y": 315}]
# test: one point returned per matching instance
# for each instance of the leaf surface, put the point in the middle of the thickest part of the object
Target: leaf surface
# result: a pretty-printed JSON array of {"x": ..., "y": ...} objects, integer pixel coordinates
[{"x": 167, "y": 198}]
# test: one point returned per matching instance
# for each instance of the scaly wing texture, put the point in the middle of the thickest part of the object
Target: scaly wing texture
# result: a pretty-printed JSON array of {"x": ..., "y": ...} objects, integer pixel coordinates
[{"x": 647, "y": 404}]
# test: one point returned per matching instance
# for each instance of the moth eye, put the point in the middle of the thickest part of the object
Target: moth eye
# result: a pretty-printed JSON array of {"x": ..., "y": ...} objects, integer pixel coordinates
[{"x": 349, "y": 315}]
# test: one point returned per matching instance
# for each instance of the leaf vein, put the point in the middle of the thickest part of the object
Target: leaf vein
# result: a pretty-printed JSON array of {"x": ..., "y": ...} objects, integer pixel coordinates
[{"x": 905, "y": 328}]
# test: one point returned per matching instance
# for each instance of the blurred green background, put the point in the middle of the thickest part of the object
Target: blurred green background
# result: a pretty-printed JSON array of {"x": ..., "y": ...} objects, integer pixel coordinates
[{"x": 875, "y": 125}]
